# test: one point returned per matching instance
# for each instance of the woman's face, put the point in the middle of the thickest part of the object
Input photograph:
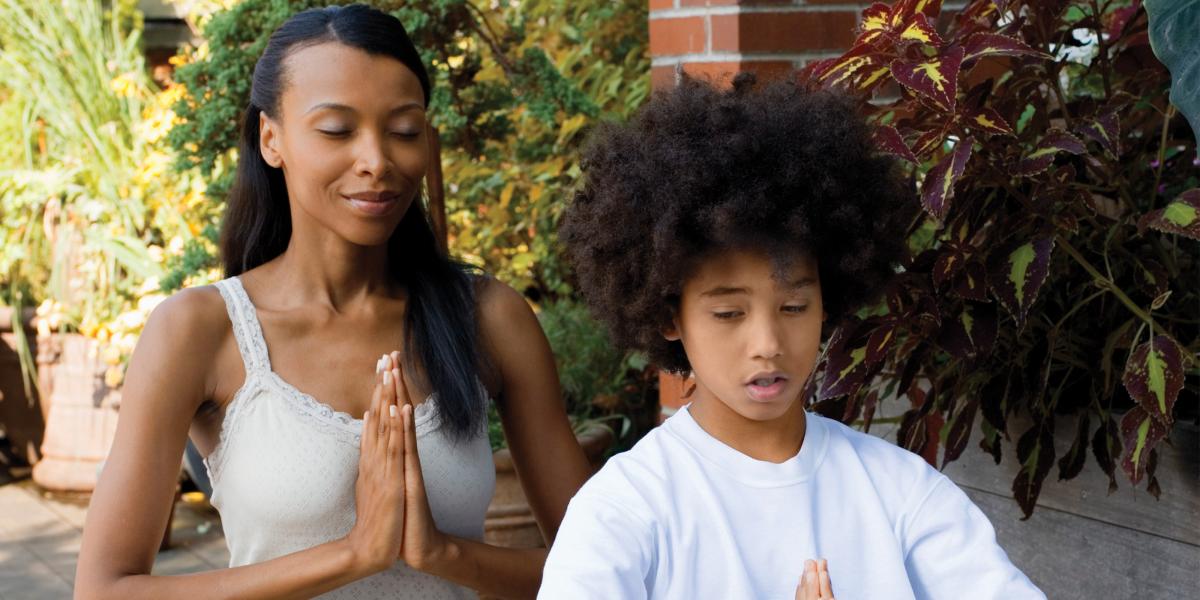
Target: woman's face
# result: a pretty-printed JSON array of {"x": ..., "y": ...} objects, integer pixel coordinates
[{"x": 350, "y": 137}]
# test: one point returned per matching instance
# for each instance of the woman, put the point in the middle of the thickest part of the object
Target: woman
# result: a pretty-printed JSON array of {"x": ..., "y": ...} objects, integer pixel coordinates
[{"x": 332, "y": 264}]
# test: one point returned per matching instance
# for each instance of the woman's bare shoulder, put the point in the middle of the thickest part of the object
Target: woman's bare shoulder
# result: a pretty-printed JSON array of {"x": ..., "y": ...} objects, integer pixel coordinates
[{"x": 183, "y": 337}]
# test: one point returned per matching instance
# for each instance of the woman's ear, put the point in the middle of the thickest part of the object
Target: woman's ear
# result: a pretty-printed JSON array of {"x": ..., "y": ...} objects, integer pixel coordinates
[{"x": 268, "y": 140}]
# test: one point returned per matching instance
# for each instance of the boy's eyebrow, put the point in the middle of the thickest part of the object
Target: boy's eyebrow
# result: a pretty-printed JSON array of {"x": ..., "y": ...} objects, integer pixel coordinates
[{"x": 724, "y": 290}]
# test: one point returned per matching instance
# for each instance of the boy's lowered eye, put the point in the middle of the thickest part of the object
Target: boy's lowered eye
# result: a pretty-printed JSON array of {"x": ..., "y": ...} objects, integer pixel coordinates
[
  {"x": 727, "y": 315},
  {"x": 795, "y": 308}
]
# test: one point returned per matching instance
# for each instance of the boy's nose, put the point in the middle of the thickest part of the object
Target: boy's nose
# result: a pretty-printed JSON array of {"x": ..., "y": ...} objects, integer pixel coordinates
[{"x": 766, "y": 339}]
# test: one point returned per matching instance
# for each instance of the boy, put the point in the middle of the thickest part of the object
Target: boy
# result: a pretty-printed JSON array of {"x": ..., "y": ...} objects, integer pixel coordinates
[{"x": 719, "y": 231}]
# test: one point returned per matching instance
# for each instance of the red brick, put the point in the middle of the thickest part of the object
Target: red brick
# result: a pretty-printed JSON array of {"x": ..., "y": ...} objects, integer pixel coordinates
[
  {"x": 683, "y": 35},
  {"x": 783, "y": 32},
  {"x": 690, "y": 3},
  {"x": 662, "y": 77},
  {"x": 661, "y": 4},
  {"x": 722, "y": 73}
]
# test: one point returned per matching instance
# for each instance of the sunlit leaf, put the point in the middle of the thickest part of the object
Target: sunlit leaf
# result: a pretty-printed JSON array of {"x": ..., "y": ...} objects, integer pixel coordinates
[
  {"x": 935, "y": 79},
  {"x": 919, "y": 30},
  {"x": 1020, "y": 275},
  {"x": 1180, "y": 216},
  {"x": 1154, "y": 376},
  {"x": 862, "y": 68},
  {"x": 938, "y": 186}
]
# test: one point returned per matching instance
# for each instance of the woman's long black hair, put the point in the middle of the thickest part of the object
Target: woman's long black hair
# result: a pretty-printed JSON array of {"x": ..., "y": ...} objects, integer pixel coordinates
[{"x": 440, "y": 328}]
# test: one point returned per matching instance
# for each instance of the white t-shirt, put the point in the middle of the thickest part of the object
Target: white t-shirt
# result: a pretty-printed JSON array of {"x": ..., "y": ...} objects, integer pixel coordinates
[{"x": 683, "y": 516}]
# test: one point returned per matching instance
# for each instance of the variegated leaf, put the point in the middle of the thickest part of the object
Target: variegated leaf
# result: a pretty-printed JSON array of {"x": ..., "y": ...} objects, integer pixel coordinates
[
  {"x": 846, "y": 365},
  {"x": 928, "y": 142},
  {"x": 971, "y": 283},
  {"x": 1104, "y": 130},
  {"x": 906, "y": 10},
  {"x": 935, "y": 79},
  {"x": 889, "y": 140},
  {"x": 1140, "y": 433},
  {"x": 995, "y": 44},
  {"x": 987, "y": 120},
  {"x": 876, "y": 23},
  {"x": 1072, "y": 462},
  {"x": 919, "y": 30},
  {"x": 1180, "y": 216},
  {"x": 938, "y": 187},
  {"x": 1020, "y": 275},
  {"x": 861, "y": 68},
  {"x": 1154, "y": 375},
  {"x": 1035, "y": 451},
  {"x": 972, "y": 334},
  {"x": 1106, "y": 447},
  {"x": 949, "y": 261},
  {"x": 961, "y": 424},
  {"x": 1055, "y": 141}
]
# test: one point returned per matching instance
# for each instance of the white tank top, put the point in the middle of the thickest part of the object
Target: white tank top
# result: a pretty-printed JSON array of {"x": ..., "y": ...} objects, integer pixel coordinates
[{"x": 284, "y": 470}]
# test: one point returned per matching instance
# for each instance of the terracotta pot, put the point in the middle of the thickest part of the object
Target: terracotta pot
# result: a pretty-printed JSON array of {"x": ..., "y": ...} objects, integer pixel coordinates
[
  {"x": 510, "y": 522},
  {"x": 22, "y": 417},
  {"x": 82, "y": 415}
]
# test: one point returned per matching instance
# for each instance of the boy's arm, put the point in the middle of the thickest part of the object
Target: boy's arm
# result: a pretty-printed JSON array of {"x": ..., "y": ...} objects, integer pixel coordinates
[
  {"x": 951, "y": 551},
  {"x": 603, "y": 551}
]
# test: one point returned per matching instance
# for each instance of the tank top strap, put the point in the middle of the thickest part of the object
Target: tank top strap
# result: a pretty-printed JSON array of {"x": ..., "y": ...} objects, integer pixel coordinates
[{"x": 246, "y": 328}]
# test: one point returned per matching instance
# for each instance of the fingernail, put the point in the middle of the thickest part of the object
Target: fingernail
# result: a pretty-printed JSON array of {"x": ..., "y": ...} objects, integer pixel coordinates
[
  {"x": 366, "y": 416},
  {"x": 378, "y": 365},
  {"x": 387, "y": 378},
  {"x": 392, "y": 410}
]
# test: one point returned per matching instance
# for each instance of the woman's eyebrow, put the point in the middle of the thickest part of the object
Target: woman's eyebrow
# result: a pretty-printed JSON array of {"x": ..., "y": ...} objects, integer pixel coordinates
[{"x": 337, "y": 106}]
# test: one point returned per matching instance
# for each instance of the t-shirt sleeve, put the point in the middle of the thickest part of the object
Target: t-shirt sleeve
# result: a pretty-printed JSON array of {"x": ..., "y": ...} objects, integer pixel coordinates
[
  {"x": 602, "y": 551},
  {"x": 951, "y": 551}
]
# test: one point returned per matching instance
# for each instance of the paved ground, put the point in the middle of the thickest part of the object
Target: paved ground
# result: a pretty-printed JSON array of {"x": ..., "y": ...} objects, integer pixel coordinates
[{"x": 1080, "y": 543}]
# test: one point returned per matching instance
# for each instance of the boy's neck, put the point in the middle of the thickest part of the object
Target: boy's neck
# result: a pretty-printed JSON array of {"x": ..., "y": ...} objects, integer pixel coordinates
[{"x": 775, "y": 440}]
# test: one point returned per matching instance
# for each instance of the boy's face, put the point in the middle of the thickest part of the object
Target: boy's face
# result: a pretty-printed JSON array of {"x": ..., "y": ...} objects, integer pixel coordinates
[{"x": 751, "y": 336}]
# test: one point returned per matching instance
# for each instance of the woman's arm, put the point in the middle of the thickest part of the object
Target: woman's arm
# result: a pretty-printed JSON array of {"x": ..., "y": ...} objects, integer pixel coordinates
[
  {"x": 547, "y": 457},
  {"x": 167, "y": 380}
]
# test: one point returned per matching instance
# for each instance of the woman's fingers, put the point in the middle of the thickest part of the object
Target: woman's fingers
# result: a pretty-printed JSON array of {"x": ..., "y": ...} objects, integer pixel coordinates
[{"x": 402, "y": 396}]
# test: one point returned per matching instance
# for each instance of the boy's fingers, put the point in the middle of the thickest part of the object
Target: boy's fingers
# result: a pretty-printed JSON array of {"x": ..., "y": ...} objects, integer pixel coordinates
[{"x": 826, "y": 587}]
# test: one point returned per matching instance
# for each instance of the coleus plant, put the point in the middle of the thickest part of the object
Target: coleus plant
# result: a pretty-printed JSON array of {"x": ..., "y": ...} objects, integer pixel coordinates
[{"x": 1054, "y": 263}]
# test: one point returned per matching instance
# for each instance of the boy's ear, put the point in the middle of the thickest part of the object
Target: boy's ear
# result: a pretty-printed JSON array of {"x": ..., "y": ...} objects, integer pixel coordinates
[
  {"x": 671, "y": 332},
  {"x": 268, "y": 140}
]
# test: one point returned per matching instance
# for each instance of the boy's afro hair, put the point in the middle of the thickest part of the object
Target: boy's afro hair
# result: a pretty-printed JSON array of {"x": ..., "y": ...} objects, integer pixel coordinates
[{"x": 701, "y": 169}]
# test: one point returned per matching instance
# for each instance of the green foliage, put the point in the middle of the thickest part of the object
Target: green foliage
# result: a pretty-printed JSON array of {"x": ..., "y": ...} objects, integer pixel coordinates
[
  {"x": 513, "y": 90},
  {"x": 1059, "y": 277}
]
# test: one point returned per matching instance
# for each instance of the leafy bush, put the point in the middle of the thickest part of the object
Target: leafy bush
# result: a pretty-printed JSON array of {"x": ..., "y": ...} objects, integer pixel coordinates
[
  {"x": 513, "y": 89},
  {"x": 1055, "y": 265}
]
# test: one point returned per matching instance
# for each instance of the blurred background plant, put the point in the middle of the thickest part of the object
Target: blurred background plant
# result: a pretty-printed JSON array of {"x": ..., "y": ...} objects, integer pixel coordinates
[
  {"x": 91, "y": 213},
  {"x": 112, "y": 185}
]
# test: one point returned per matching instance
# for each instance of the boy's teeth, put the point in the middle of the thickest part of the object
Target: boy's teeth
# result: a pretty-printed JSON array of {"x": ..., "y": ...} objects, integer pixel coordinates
[{"x": 764, "y": 382}]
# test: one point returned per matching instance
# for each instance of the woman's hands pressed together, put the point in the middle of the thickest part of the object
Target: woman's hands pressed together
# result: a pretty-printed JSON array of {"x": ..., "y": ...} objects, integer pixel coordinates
[{"x": 379, "y": 493}]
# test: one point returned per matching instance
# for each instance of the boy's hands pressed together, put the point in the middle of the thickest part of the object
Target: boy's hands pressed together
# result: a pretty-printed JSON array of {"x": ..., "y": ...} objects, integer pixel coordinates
[{"x": 814, "y": 583}]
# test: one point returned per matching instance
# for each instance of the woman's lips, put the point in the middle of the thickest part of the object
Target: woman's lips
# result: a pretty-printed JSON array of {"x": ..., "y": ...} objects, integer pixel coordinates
[
  {"x": 372, "y": 205},
  {"x": 766, "y": 393}
]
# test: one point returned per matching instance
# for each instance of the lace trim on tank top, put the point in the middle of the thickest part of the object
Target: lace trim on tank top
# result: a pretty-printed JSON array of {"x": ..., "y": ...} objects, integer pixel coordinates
[{"x": 253, "y": 347}]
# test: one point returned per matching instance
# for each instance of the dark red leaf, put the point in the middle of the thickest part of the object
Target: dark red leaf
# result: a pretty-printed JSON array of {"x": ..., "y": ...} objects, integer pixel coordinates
[
  {"x": 928, "y": 142},
  {"x": 949, "y": 261},
  {"x": 935, "y": 79},
  {"x": 972, "y": 334},
  {"x": 846, "y": 366},
  {"x": 1180, "y": 216},
  {"x": 1035, "y": 452},
  {"x": 1104, "y": 130},
  {"x": 888, "y": 139},
  {"x": 1154, "y": 376},
  {"x": 938, "y": 187},
  {"x": 971, "y": 283},
  {"x": 995, "y": 44},
  {"x": 1055, "y": 141},
  {"x": 861, "y": 69},
  {"x": 988, "y": 121},
  {"x": 920, "y": 31},
  {"x": 1106, "y": 445},
  {"x": 1140, "y": 433},
  {"x": 876, "y": 23},
  {"x": 1020, "y": 274},
  {"x": 961, "y": 425},
  {"x": 1072, "y": 462}
]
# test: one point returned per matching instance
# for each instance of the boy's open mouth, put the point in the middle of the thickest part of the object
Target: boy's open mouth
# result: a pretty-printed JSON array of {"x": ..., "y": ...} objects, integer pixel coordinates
[{"x": 766, "y": 386}]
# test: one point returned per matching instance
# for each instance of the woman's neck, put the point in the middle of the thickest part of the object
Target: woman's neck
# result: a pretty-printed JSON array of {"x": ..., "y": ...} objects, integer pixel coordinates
[
  {"x": 774, "y": 440},
  {"x": 328, "y": 271}
]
